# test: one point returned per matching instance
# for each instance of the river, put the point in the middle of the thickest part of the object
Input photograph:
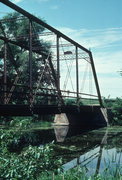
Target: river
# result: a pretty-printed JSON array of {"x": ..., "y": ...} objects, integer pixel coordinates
[{"x": 96, "y": 150}]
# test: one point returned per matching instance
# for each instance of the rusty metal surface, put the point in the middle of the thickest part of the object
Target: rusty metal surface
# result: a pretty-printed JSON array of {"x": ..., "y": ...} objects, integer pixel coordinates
[{"x": 27, "y": 90}]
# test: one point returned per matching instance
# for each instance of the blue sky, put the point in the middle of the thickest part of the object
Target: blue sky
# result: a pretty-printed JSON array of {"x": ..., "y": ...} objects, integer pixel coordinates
[{"x": 95, "y": 24}]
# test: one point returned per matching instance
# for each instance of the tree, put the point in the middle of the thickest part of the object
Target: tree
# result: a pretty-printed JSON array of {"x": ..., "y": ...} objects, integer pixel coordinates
[{"x": 16, "y": 28}]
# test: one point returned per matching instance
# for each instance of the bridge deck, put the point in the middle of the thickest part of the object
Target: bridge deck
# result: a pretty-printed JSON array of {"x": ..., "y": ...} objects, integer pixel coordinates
[{"x": 25, "y": 110}]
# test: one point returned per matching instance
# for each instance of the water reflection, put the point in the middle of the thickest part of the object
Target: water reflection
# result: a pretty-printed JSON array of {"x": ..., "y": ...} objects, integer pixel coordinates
[
  {"x": 103, "y": 155},
  {"x": 61, "y": 132},
  {"x": 103, "y": 142},
  {"x": 95, "y": 150}
]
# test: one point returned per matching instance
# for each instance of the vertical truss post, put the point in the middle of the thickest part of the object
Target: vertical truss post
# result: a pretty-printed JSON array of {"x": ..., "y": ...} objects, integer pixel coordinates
[
  {"x": 5, "y": 72},
  {"x": 30, "y": 59},
  {"x": 77, "y": 74},
  {"x": 58, "y": 70},
  {"x": 96, "y": 81},
  {"x": 58, "y": 62}
]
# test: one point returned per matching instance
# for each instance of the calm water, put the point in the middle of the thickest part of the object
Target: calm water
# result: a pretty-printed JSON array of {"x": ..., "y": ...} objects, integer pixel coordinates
[{"x": 96, "y": 150}]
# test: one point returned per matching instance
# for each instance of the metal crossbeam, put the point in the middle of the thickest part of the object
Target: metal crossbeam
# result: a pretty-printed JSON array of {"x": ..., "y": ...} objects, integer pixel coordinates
[
  {"x": 42, "y": 23},
  {"x": 57, "y": 55}
]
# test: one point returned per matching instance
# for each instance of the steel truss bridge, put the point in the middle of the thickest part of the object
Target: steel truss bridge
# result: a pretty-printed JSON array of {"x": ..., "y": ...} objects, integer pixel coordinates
[{"x": 55, "y": 68}]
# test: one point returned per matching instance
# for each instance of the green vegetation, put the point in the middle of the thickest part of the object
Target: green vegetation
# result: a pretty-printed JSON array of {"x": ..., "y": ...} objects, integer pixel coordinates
[
  {"x": 29, "y": 163},
  {"x": 41, "y": 162},
  {"x": 81, "y": 101},
  {"x": 34, "y": 122},
  {"x": 23, "y": 153},
  {"x": 22, "y": 157},
  {"x": 15, "y": 61},
  {"x": 114, "y": 106},
  {"x": 79, "y": 173},
  {"x": 116, "y": 109},
  {"x": 117, "y": 112}
]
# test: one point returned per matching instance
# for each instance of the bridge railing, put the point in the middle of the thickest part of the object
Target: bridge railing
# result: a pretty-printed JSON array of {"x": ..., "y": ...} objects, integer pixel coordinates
[{"x": 20, "y": 94}]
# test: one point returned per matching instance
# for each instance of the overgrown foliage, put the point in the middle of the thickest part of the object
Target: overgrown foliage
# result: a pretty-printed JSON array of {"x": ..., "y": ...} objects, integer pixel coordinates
[
  {"x": 81, "y": 173},
  {"x": 116, "y": 109},
  {"x": 30, "y": 163},
  {"x": 117, "y": 112},
  {"x": 16, "y": 58},
  {"x": 41, "y": 162}
]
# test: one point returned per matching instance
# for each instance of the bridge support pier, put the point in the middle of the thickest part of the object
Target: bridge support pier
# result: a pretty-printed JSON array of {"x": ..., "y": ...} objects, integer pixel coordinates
[{"x": 61, "y": 119}]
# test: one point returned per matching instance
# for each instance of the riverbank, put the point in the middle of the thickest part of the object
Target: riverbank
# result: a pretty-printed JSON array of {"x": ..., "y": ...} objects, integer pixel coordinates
[{"x": 91, "y": 155}]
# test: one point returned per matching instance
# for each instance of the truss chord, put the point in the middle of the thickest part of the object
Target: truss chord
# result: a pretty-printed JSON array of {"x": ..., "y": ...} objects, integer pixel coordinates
[
  {"x": 40, "y": 50},
  {"x": 68, "y": 92},
  {"x": 39, "y": 21}
]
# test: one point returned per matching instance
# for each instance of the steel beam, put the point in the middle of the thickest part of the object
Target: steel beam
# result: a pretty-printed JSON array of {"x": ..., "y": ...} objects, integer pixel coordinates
[
  {"x": 21, "y": 45},
  {"x": 95, "y": 79},
  {"x": 42, "y": 23},
  {"x": 58, "y": 34},
  {"x": 77, "y": 74},
  {"x": 58, "y": 62}
]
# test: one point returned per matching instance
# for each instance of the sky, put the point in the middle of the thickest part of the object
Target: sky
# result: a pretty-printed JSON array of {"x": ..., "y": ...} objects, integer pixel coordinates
[{"x": 95, "y": 24}]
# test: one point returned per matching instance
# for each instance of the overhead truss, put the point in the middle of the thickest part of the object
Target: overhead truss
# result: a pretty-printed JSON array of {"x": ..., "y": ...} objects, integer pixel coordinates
[{"x": 63, "y": 52}]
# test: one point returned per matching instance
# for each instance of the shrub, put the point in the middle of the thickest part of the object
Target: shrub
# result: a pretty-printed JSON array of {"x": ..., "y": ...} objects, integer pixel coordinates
[
  {"x": 117, "y": 112},
  {"x": 29, "y": 163}
]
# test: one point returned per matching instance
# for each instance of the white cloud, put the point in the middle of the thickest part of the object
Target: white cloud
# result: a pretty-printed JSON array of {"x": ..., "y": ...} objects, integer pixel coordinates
[
  {"x": 16, "y": 1},
  {"x": 94, "y": 38},
  {"x": 106, "y": 46},
  {"x": 111, "y": 86}
]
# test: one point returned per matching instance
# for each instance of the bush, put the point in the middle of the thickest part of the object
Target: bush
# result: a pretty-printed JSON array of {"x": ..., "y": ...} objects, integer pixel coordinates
[
  {"x": 117, "y": 112},
  {"x": 30, "y": 163}
]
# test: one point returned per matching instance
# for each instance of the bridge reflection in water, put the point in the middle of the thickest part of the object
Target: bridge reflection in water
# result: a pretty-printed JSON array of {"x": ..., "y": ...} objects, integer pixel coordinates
[{"x": 99, "y": 155}]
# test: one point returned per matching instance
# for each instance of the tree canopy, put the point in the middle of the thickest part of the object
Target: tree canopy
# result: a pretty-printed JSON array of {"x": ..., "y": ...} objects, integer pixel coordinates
[{"x": 16, "y": 28}]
